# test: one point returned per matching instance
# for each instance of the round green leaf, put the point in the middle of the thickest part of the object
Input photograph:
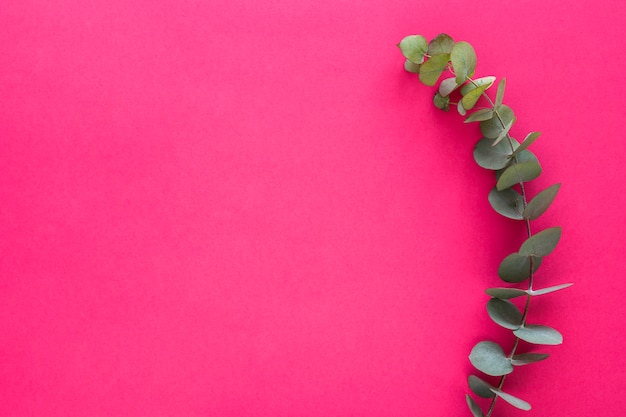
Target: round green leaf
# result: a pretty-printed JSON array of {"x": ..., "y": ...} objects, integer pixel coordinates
[
  {"x": 463, "y": 59},
  {"x": 414, "y": 48},
  {"x": 505, "y": 293},
  {"x": 550, "y": 289},
  {"x": 411, "y": 67},
  {"x": 480, "y": 387},
  {"x": 492, "y": 157},
  {"x": 492, "y": 128},
  {"x": 516, "y": 173},
  {"x": 431, "y": 69},
  {"x": 516, "y": 268},
  {"x": 541, "y": 244},
  {"x": 514, "y": 401},
  {"x": 527, "y": 358},
  {"x": 488, "y": 357},
  {"x": 441, "y": 44},
  {"x": 440, "y": 102},
  {"x": 474, "y": 408},
  {"x": 508, "y": 203},
  {"x": 447, "y": 86},
  {"x": 539, "y": 335},
  {"x": 504, "y": 313},
  {"x": 541, "y": 202}
]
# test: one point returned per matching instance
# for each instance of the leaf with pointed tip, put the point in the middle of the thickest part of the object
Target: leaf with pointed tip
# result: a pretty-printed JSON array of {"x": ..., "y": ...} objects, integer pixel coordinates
[
  {"x": 492, "y": 128},
  {"x": 479, "y": 116},
  {"x": 463, "y": 59},
  {"x": 411, "y": 67},
  {"x": 442, "y": 103},
  {"x": 541, "y": 202},
  {"x": 550, "y": 289},
  {"x": 516, "y": 268},
  {"x": 447, "y": 86},
  {"x": 516, "y": 173},
  {"x": 508, "y": 203},
  {"x": 478, "y": 82},
  {"x": 514, "y": 401},
  {"x": 432, "y": 68},
  {"x": 469, "y": 100},
  {"x": 441, "y": 44},
  {"x": 414, "y": 48},
  {"x": 504, "y": 132},
  {"x": 504, "y": 313},
  {"x": 528, "y": 358},
  {"x": 474, "y": 408},
  {"x": 493, "y": 157},
  {"x": 541, "y": 244},
  {"x": 480, "y": 387},
  {"x": 528, "y": 140},
  {"x": 488, "y": 357},
  {"x": 500, "y": 93},
  {"x": 539, "y": 335},
  {"x": 505, "y": 293}
]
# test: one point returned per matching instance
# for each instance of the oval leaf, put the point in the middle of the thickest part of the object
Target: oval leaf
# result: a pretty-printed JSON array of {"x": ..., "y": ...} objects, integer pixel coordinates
[
  {"x": 514, "y": 401},
  {"x": 493, "y": 157},
  {"x": 447, "y": 86},
  {"x": 500, "y": 93},
  {"x": 550, "y": 289},
  {"x": 479, "y": 116},
  {"x": 541, "y": 202},
  {"x": 516, "y": 268},
  {"x": 463, "y": 59},
  {"x": 508, "y": 203},
  {"x": 441, "y": 44},
  {"x": 469, "y": 100},
  {"x": 541, "y": 244},
  {"x": 492, "y": 128},
  {"x": 474, "y": 408},
  {"x": 539, "y": 335},
  {"x": 414, "y": 48},
  {"x": 505, "y": 293},
  {"x": 478, "y": 82},
  {"x": 527, "y": 358},
  {"x": 441, "y": 102},
  {"x": 411, "y": 67},
  {"x": 480, "y": 387},
  {"x": 504, "y": 313},
  {"x": 516, "y": 173},
  {"x": 432, "y": 68},
  {"x": 488, "y": 357}
]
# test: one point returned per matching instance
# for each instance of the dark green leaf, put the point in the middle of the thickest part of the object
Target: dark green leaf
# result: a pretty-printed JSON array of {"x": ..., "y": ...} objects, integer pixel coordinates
[
  {"x": 539, "y": 335},
  {"x": 447, "y": 86},
  {"x": 541, "y": 202},
  {"x": 480, "y": 387},
  {"x": 442, "y": 103},
  {"x": 514, "y": 401},
  {"x": 474, "y": 408},
  {"x": 493, "y": 157},
  {"x": 541, "y": 244},
  {"x": 492, "y": 128},
  {"x": 528, "y": 140},
  {"x": 528, "y": 358},
  {"x": 500, "y": 93},
  {"x": 504, "y": 133},
  {"x": 463, "y": 59},
  {"x": 411, "y": 67},
  {"x": 508, "y": 203},
  {"x": 479, "y": 116},
  {"x": 516, "y": 173},
  {"x": 505, "y": 293},
  {"x": 441, "y": 44},
  {"x": 488, "y": 357},
  {"x": 504, "y": 313},
  {"x": 478, "y": 82},
  {"x": 432, "y": 68},
  {"x": 516, "y": 268},
  {"x": 550, "y": 289},
  {"x": 414, "y": 48}
]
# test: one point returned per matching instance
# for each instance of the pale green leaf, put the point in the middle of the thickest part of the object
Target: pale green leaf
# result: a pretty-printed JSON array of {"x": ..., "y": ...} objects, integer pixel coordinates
[
  {"x": 541, "y": 244},
  {"x": 469, "y": 100},
  {"x": 414, "y": 48},
  {"x": 509, "y": 203},
  {"x": 488, "y": 357},
  {"x": 461, "y": 109},
  {"x": 479, "y": 387},
  {"x": 528, "y": 140},
  {"x": 479, "y": 116},
  {"x": 411, "y": 67},
  {"x": 493, "y": 127},
  {"x": 463, "y": 59},
  {"x": 432, "y": 68},
  {"x": 528, "y": 358},
  {"x": 514, "y": 401},
  {"x": 541, "y": 202},
  {"x": 505, "y": 293},
  {"x": 550, "y": 289},
  {"x": 447, "y": 86},
  {"x": 474, "y": 408},
  {"x": 539, "y": 335},
  {"x": 516, "y": 173},
  {"x": 516, "y": 268},
  {"x": 478, "y": 82},
  {"x": 504, "y": 313},
  {"x": 500, "y": 93},
  {"x": 441, "y": 44}
]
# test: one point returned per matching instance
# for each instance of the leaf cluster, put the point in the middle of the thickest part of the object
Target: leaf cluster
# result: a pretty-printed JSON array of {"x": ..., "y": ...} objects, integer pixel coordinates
[{"x": 513, "y": 165}]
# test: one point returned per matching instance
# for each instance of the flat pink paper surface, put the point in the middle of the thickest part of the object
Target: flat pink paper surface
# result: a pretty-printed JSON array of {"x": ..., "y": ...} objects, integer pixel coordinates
[{"x": 248, "y": 208}]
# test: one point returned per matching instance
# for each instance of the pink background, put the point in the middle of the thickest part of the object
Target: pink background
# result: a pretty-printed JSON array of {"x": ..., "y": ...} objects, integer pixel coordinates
[{"x": 248, "y": 208}]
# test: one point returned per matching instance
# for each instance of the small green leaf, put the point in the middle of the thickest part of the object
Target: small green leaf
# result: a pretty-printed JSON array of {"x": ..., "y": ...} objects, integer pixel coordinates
[
  {"x": 469, "y": 100},
  {"x": 509, "y": 203},
  {"x": 431, "y": 70},
  {"x": 478, "y": 82},
  {"x": 539, "y": 335},
  {"x": 441, "y": 44},
  {"x": 505, "y": 293},
  {"x": 463, "y": 59},
  {"x": 480, "y": 387},
  {"x": 541, "y": 202},
  {"x": 516, "y": 268},
  {"x": 411, "y": 67},
  {"x": 550, "y": 289},
  {"x": 541, "y": 244},
  {"x": 440, "y": 102},
  {"x": 500, "y": 93},
  {"x": 504, "y": 132},
  {"x": 414, "y": 48},
  {"x": 516, "y": 173},
  {"x": 480, "y": 116},
  {"x": 514, "y": 401},
  {"x": 461, "y": 109},
  {"x": 474, "y": 408},
  {"x": 492, "y": 128},
  {"x": 492, "y": 157},
  {"x": 504, "y": 313},
  {"x": 528, "y": 140},
  {"x": 528, "y": 358},
  {"x": 488, "y": 357},
  {"x": 447, "y": 86}
]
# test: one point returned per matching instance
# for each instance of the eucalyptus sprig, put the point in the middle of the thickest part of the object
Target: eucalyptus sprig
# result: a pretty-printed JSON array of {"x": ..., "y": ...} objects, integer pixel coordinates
[{"x": 514, "y": 166}]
